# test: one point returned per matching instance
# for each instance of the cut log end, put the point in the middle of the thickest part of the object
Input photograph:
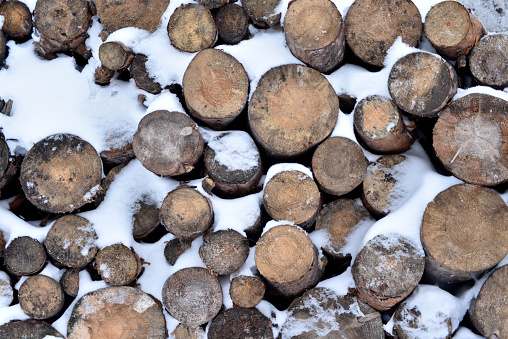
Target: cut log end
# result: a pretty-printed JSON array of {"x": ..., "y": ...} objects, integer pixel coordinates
[
  {"x": 224, "y": 251},
  {"x": 70, "y": 282},
  {"x": 240, "y": 323},
  {"x": 246, "y": 291},
  {"x": 41, "y": 297},
  {"x": 29, "y": 328},
  {"x": 488, "y": 61},
  {"x": 118, "y": 265},
  {"x": 174, "y": 248},
  {"x": 146, "y": 220},
  {"x": 18, "y": 23},
  {"x": 25, "y": 256}
]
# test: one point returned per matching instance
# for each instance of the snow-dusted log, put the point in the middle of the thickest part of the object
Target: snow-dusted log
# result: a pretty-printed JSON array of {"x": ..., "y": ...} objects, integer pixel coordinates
[
  {"x": 224, "y": 251},
  {"x": 240, "y": 323},
  {"x": 246, "y": 291},
  {"x": 183, "y": 331},
  {"x": 41, "y": 297},
  {"x": 25, "y": 256},
  {"x": 118, "y": 265},
  {"x": 488, "y": 61},
  {"x": 146, "y": 220}
]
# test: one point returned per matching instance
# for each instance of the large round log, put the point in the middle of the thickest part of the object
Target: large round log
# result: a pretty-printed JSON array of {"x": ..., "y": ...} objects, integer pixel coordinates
[
  {"x": 471, "y": 139},
  {"x": 115, "y": 55},
  {"x": 118, "y": 265},
  {"x": 18, "y": 23},
  {"x": 293, "y": 108},
  {"x": 25, "y": 256},
  {"x": 28, "y": 329},
  {"x": 41, "y": 297},
  {"x": 464, "y": 233},
  {"x": 240, "y": 323},
  {"x": 488, "y": 61},
  {"x": 232, "y": 23},
  {"x": 224, "y": 251}
]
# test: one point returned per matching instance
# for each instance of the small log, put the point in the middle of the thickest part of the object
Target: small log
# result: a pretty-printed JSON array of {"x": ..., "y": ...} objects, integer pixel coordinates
[
  {"x": 29, "y": 329},
  {"x": 118, "y": 265},
  {"x": 387, "y": 270},
  {"x": 142, "y": 77},
  {"x": 379, "y": 123},
  {"x": 174, "y": 248},
  {"x": 224, "y": 251},
  {"x": 25, "y": 256},
  {"x": 464, "y": 233},
  {"x": 246, "y": 291},
  {"x": 339, "y": 165},
  {"x": 193, "y": 296},
  {"x": 103, "y": 76},
  {"x": 70, "y": 282},
  {"x": 322, "y": 313},
  {"x": 183, "y": 331},
  {"x": 2, "y": 244},
  {"x": 422, "y": 84},
  {"x": 286, "y": 257},
  {"x": 115, "y": 55},
  {"x": 117, "y": 156},
  {"x": 212, "y": 4},
  {"x": 146, "y": 220},
  {"x": 488, "y": 61},
  {"x": 233, "y": 162},
  {"x": 470, "y": 139},
  {"x": 18, "y": 23},
  {"x": 117, "y": 312},
  {"x": 41, "y": 297},
  {"x": 182, "y": 221},
  {"x": 452, "y": 29},
  {"x": 119, "y": 14},
  {"x": 232, "y": 23},
  {"x": 215, "y": 87},
  {"x": 489, "y": 310},
  {"x": 314, "y": 32},
  {"x": 240, "y": 323},
  {"x": 264, "y": 14},
  {"x": 372, "y": 27},
  {"x": 5, "y": 156},
  {"x": 61, "y": 173},
  {"x": 293, "y": 108},
  {"x": 292, "y": 196},
  {"x": 191, "y": 28}
]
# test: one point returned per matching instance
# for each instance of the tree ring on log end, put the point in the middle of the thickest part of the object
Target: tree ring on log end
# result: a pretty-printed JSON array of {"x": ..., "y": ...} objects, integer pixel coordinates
[
  {"x": 62, "y": 20},
  {"x": 444, "y": 30},
  {"x": 41, "y": 297},
  {"x": 488, "y": 61}
]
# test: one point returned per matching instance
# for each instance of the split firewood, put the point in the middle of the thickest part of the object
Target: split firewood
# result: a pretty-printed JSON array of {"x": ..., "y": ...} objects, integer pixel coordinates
[
  {"x": 215, "y": 87},
  {"x": 292, "y": 196},
  {"x": 142, "y": 77},
  {"x": 29, "y": 328},
  {"x": 246, "y": 291},
  {"x": 25, "y": 256},
  {"x": 212, "y": 4},
  {"x": 339, "y": 165},
  {"x": 9, "y": 171},
  {"x": 224, "y": 251},
  {"x": 182, "y": 221},
  {"x": 63, "y": 26},
  {"x": 183, "y": 331},
  {"x": 232, "y": 23},
  {"x": 103, "y": 76},
  {"x": 372, "y": 27},
  {"x": 263, "y": 14},
  {"x": 117, "y": 312},
  {"x": 61, "y": 173},
  {"x": 293, "y": 108},
  {"x": 240, "y": 323},
  {"x": 115, "y": 55},
  {"x": 314, "y": 32},
  {"x": 421, "y": 83},
  {"x": 18, "y": 23},
  {"x": 379, "y": 123},
  {"x": 193, "y": 296},
  {"x": 286, "y": 257},
  {"x": 464, "y": 233},
  {"x": 488, "y": 61},
  {"x": 387, "y": 270},
  {"x": 146, "y": 220},
  {"x": 322, "y": 313},
  {"x": 452, "y": 29},
  {"x": 489, "y": 311},
  {"x": 41, "y": 297},
  {"x": 70, "y": 282},
  {"x": 174, "y": 248},
  {"x": 470, "y": 139},
  {"x": 118, "y": 265},
  {"x": 131, "y": 13},
  {"x": 191, "y": 28}
]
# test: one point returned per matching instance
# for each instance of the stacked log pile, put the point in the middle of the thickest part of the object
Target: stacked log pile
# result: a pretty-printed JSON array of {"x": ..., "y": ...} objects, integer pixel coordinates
[{"x": 315, "y": 182}]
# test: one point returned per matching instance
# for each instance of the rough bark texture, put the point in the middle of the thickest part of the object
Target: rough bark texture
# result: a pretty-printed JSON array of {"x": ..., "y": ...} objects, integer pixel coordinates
[
  {"x": 41, "y": 297},
  {"x": 115, "y": 55},
  {"x": 339, "y": 165},
  {"x": 488, "y": 61},
  {"x": 106, "y": 182},
  {"x": 61, "y": 173},
  {"x": 146, "y": 220},
  {"x": 118, "y": 265},
  {"x": 263, "y": 13},
  {"x": 18, "y": 23},
  {"x": 240, "y": 323},
  {"x": 141, "y": 76},
  {"x": 3, "y": 48},
  {"x": 5, "y": 155},
  {"x": 422, "y": 83},
  {"x": 103, "y": 75},
  {"x": 246, "y": 291},
  {"x": 224, "y": 251},
  {"x": 471, "y": 139},
  {"x": 117, "y": 156},
  {"x": 314, "y": 32},
  {"x": 25, "y": 256},
  {"x": 372, "y": 27},
  {"x": 70, "y": 282},
  {"x": 232, "y": 23},
  {"x": 293, "y": 108},
  {"x": 464, "y": 232},
  {"x": 211, "y": 4},
  {"x": 174, "y": 248},
  {"x": 192, "y": 296},
  {"x": 28, "y": 329}
]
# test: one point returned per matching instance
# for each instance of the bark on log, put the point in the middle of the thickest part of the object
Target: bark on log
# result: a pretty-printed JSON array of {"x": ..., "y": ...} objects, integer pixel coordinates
[
  {"x": 18, "y": 23},
  {"x": 117, "y": 312},
  {"x": 146, "y": 220},
  {"x": 61, "y": 173},
  {"x": 286, "y": 257},
  {"x": 292, "y": 196},
  {"x": 379, "y": 123},
  {"x": 372, "y": 27},
  {"x": 263, "y": 13},
  {"x": 70, "y": 282},
  {"x": 224, "y": 251},
  {"x": 192, "y": 296},
  {"x": 106, "y": 182},
  {"x": 314, "y": 32},
  {"x": 117, "y": 156},
  {"x": 464, "y": 233},
  {"x": 488, "y": 61},
  {"x": 5, "y": 155},
  {"x": 184, "y": 222},
  {"x": 103, "y": 76},
  {"x": 471, "y": 139},
  {"x": 422, "y": 83},
  {"x": 240, "y": 323},
  {"x": 118, "y": 265},
  {"x": 215, "y": 87},
  {"x": 168, "y": 143},
  {"x": 293, "y": 108},
  {"x": 387, "y": 270},
  {"x": 25, "y": 256},
  {"x": 322, "y": 313},
  {"x": 28, "y": 329},
  {"x": 142, "y": 77},
  {"x": 339, "y": 165},
  {"x": 183, "y": 331},
  {"x": 452, "y": 29},
  {"x": 174, "y": 248},
  {"x": 41, "y": 297},
  {"x": 232, "y": 23},
  {"x": 115, "y": 55},
  {"x": 246, "y": 291},
  {"x": 191, "y": 28}
]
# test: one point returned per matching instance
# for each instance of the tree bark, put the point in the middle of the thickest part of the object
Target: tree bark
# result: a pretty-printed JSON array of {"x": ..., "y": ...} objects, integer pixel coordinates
[
  {"x": 41, "y": 297},
  {"x": 118, "y": 265},
  {"x": 141, "y": 76},
  {"x": 29, "y": 329},
  {"x": 212, "y": 4},
  {"x": 18, "y": 23},
  {"x": 25, "y": 256},
  {"x": 146, "y": 220},
  {"x": 174, "y": 248},
  {"x": 232, "y": 23},
  {"x": 115, "y": 55},
  {"x": 103, "y": 76},
  {"x": 240, "y": 323},
  {"x": 70, "y": 282},
  {"x": 224, "y": 251},
  {"x": 488, "y": 61},
  {"x": 246, "y": 291}
]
